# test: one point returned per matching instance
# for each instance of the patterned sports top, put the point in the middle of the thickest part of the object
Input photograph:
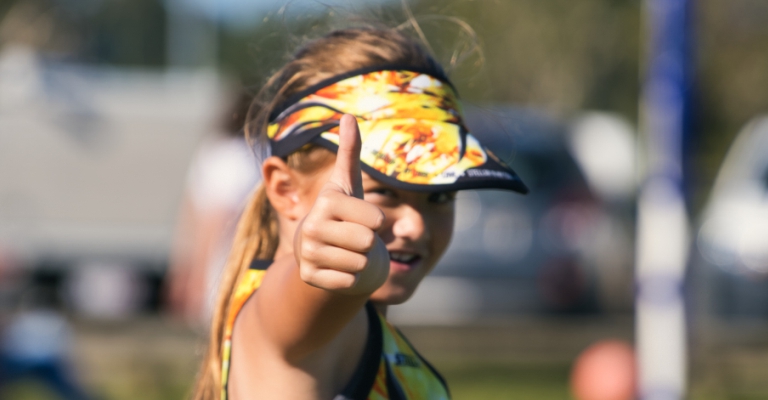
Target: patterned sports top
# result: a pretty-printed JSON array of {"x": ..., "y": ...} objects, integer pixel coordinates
[{"x": 390, "y": 368}]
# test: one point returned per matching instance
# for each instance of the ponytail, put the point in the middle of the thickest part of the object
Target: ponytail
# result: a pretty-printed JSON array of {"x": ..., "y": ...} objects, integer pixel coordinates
[{"x": 256, "y": 237}]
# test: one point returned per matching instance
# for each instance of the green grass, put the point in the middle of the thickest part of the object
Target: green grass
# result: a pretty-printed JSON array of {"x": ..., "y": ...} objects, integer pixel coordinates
[
  {"x": 467, "y": 381},
  {"x": 27, "y": 390},
  {"x": 501, "y": 381},
  {"x": 155, "y": 360}
]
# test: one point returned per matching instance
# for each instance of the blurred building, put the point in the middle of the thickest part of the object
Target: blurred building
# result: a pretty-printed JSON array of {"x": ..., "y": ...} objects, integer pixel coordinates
[{"x": 92, "y": 164}]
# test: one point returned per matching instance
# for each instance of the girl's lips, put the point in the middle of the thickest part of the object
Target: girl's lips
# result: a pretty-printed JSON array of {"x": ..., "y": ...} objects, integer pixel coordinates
[{"x": 404, "y": 264}]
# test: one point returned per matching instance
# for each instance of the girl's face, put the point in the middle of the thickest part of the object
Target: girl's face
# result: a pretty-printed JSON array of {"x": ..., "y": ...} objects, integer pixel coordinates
[{"x": 417, "y": 230}]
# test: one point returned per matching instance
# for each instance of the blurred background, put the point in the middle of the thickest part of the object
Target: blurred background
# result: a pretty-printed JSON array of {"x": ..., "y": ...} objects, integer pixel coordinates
[{"x": 122, "y": 174}]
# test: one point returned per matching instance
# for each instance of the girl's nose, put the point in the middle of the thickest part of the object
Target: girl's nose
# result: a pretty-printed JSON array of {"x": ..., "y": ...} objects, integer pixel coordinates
[{"x": 410, "y": 224}]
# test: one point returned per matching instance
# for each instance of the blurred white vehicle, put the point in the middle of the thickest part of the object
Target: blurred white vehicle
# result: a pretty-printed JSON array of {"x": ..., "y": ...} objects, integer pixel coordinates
[
  {"x": 732, "y": 240},
  {"x": 734, "y": 233}
]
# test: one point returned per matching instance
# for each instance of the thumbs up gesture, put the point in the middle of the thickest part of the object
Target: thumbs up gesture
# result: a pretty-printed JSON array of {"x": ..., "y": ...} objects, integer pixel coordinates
[{"x": 336, "y": 245}]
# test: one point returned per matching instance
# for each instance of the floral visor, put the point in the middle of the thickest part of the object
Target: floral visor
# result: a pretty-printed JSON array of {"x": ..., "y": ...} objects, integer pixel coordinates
[{"x": 413, "y": 135}]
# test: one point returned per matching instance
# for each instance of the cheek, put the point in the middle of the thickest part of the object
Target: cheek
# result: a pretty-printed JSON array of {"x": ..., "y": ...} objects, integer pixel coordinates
[{"x": 441, "y": 229}]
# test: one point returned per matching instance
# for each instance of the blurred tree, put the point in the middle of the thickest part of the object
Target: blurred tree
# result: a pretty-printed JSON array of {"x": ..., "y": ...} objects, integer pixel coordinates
[
  {"x": 128, "y": 32},
  {"x": 558, "y": 54},
  {"x": 733, "y": 75},
  {"x": 561, "y": 55},
  {"x": 33, "y": 23},
  {"x": 120, "y": 32}
]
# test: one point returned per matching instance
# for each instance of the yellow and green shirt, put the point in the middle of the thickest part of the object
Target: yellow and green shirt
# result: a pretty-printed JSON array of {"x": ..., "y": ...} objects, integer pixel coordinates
[{"x": 390, "y": 368}]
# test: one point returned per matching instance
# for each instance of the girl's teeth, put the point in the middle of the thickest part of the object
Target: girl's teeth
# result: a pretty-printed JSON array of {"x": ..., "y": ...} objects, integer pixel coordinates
[{"x": 400, "y": 257}]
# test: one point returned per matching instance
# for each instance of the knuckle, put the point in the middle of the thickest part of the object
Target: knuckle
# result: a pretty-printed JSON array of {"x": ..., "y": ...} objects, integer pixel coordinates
[
  {"x": 338, "y": 193},
  {"x": 307, "y": 273},
  {"x": 340, "y": 187},
  {"x": 324, "y": 201},
  {"x": 311, "y": 228},
  {"x": 310, "y": 250}
]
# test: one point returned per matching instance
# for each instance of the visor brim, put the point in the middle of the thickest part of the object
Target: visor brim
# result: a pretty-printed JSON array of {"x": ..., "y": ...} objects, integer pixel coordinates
[{"x": 514, "y": 183}]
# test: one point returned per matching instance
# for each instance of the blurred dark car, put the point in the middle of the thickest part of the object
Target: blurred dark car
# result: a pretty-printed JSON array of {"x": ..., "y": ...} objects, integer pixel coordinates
[{"x": 559, "y": 249}]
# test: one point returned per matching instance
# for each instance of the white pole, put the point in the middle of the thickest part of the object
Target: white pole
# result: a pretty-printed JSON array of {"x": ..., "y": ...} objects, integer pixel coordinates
[{"x": 663, "y": 233}]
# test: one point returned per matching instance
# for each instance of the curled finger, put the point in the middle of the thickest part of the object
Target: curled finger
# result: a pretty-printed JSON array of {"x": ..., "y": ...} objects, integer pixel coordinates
[
  {"x": 329, "y": 279},
  {"x": 332, "y": 257},
  {"x": 347, "y": 235}
]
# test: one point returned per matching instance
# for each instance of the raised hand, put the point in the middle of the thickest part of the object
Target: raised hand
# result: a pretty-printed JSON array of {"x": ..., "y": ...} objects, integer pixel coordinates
[{"x": 336, "y": 245}]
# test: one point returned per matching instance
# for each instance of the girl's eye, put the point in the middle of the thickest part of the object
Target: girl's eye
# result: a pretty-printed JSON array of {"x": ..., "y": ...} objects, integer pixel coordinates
[
  {"x": 383, "y": 192},
  {"x": 442, "y": 197}
]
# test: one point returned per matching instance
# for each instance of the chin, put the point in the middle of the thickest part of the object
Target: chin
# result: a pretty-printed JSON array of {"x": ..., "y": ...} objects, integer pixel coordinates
[{"x": 392, "y": 295}]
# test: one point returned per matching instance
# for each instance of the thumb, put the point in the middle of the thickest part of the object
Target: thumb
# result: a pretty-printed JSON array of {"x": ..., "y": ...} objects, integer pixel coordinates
[{"x": 346, "y": 173}]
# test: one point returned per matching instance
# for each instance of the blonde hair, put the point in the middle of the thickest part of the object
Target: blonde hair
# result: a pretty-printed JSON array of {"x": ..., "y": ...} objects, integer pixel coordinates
[{"x": 257, "y": 231}]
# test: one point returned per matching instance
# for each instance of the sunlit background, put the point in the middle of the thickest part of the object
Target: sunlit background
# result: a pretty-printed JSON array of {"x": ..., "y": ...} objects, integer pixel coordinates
[{"x": 118, "y": 123}]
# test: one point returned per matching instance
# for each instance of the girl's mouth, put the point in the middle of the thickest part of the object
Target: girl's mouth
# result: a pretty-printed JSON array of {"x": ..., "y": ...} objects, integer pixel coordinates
[{"x": 403, "y": 261}]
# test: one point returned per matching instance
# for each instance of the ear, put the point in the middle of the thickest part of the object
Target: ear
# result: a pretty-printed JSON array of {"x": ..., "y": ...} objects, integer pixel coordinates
[{"x": 281, "y": 186}]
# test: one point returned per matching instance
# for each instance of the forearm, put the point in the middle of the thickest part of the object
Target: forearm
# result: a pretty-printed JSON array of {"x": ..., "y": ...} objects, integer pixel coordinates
[{"x": 297, "y": 318}]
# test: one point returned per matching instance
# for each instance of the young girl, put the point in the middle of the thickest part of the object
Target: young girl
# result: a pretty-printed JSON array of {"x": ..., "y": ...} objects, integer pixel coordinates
[{"x": 368, "y": 149}]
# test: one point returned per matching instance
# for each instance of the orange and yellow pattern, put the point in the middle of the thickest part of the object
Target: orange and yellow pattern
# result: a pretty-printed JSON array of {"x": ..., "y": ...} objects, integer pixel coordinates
[
  {"x": 408, "y": 372},
  {"x": 410, "y": 124},
  {"x": 400, "y": 368},
  {"x": 248, "y": 284}
]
